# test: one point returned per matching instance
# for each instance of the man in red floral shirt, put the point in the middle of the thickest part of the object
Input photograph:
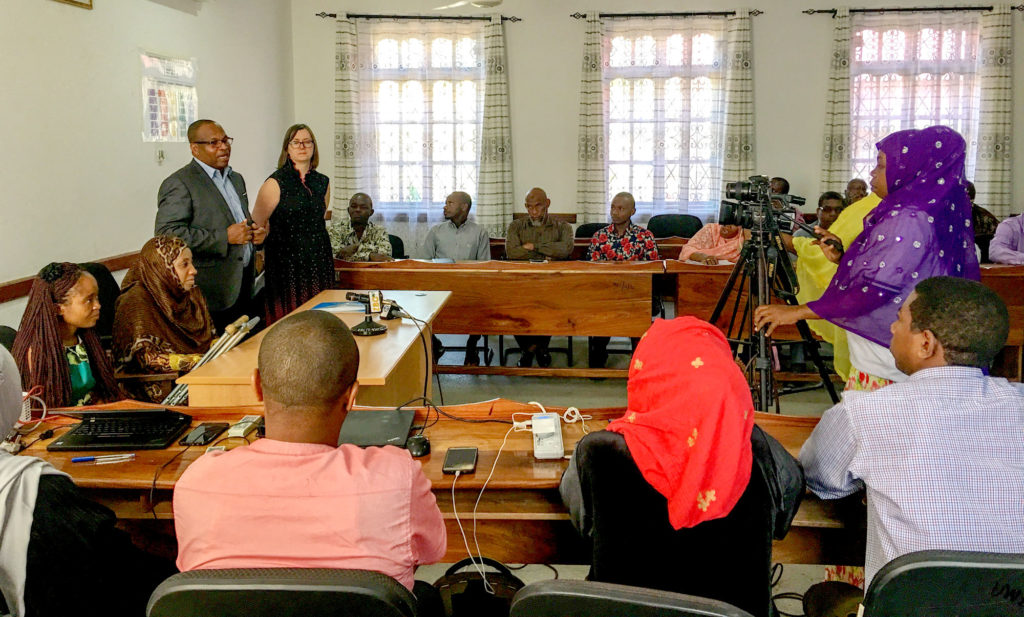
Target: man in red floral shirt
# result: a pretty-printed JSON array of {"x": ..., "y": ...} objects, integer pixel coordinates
[{"x": 620, "y": 241}]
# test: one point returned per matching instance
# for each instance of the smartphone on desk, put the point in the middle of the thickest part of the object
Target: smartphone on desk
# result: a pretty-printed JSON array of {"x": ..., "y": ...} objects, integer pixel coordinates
[
  {"x": 462, "y": 460},
  {"x": 203, "y": 434}
]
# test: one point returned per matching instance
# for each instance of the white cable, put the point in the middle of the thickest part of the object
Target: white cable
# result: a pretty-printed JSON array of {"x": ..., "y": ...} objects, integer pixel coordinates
[
  {"x": 479, "y": 566},
  {"x": 41, "y": 418},
  {"x": 570, "y": 416},
  {"x": 487, "y": 586}
]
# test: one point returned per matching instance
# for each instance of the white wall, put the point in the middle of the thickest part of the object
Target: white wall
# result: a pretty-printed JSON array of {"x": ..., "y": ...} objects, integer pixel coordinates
[
  {"x": 791, "y": 59},
  {"x": 76, "y": 180}
]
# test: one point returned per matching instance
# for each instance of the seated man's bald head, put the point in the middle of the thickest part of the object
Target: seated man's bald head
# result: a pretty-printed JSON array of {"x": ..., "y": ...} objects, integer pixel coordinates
[{"x": 308, "y": 360}]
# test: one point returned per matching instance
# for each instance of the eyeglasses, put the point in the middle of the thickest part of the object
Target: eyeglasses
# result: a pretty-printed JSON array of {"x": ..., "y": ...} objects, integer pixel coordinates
[
  {"x": 305, "y": 143},
  {"x": 216, "y": 143}
]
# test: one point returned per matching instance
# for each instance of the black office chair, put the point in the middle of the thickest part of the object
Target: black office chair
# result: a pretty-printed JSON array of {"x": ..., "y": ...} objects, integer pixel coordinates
[
  {"x": 558, "y": 598},
  {"x": 281, "y": 592},
  {"x": 397, "y": 247},
  {"x": 587, "y": 230},
  {"x": 948, "y": 584},
  {"x": 726, "y": 559},
  {"x": 7, "y": 335},
  {"x": 109, "y": 290},
  {"x": 668, "y": 225}
]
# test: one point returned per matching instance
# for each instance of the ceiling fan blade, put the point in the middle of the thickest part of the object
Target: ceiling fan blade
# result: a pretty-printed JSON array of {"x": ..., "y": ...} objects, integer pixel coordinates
[{"x": 485, "y": 4}]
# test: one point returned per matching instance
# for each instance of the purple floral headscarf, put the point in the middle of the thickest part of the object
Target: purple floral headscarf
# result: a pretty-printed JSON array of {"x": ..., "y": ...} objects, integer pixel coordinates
[{"x": 920, "y": 230}]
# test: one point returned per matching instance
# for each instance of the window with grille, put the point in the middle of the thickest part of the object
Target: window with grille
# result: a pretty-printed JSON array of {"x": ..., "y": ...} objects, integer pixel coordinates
[
  {"x": 665, "y": 86},
  {"x": 426, "y": 87},
  {"x": 912, "y": 71}
]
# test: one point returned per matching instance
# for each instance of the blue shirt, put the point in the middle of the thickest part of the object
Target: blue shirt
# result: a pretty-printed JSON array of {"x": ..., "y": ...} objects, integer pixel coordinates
[
  {"x": 221, "y": 179},
  {"x": 941, "y": 455}
]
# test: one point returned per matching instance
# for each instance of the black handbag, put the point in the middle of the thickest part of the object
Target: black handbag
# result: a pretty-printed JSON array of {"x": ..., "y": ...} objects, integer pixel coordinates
[{"x": 463, "y": 593}]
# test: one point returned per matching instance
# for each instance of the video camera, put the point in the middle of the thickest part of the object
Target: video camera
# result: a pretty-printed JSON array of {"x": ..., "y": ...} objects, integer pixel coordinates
[{"x": 755, "y": 203}]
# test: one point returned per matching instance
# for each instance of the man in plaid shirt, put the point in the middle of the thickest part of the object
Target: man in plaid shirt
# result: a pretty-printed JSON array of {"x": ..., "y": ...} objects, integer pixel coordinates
[{"x": 941, "y": 454}]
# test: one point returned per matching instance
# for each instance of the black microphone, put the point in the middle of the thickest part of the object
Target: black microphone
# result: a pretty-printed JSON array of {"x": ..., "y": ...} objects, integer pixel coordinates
[{"x": 354, "y": 297}]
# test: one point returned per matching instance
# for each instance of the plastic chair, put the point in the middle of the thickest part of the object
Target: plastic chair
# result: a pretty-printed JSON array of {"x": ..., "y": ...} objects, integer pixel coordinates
[
  {"x": 947, "y": 584},
  {"x": 397, "y": 247},
  {"x": 7, "y": 335},
  {"x": 587, "y": 230},
  {"x": 559, "y": 598},
  {"x": 668, "y": 225},
  {"x": 633, "y": 543},
  {"x": 281, "y": 592}
]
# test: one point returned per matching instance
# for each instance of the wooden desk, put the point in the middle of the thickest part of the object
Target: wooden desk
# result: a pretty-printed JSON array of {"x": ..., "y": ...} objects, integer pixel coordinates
[
  {"x": 514, "y": 297},
  {"x": 393, "y": 367},
  {"x": 521, "y": 501}
]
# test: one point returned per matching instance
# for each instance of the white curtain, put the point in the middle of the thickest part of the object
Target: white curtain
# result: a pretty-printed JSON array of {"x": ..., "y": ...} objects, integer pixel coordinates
[
  {"x": 739, "y": 158},
  {"x": 835, "y": 161},
  {"x": 663, "y": 110},
  {"x": 912, "y": 70},
  {"x": 591, "y": 194},
  {"x": 994, "y": 170},
  {"x": 493, "y": 205},
  {"x": 408, "y": 117},
  {"x": 348, "y": 177}
]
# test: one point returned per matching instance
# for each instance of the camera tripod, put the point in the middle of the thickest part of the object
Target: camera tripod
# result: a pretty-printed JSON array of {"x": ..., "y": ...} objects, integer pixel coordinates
[{"x": 764, "y": 270}]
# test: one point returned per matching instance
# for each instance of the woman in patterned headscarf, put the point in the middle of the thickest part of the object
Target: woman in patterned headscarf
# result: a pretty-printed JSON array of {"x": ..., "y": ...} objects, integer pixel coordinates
[
  {"x": 161, "y": 321},
  {"x": 922, "y": 228}
]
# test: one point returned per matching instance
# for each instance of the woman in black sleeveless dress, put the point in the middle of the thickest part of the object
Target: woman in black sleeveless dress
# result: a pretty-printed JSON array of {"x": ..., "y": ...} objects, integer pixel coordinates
[{"x": 294, "y": 200}]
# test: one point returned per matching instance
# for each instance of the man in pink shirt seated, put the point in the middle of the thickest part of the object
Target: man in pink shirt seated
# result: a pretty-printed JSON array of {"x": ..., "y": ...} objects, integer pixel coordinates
[{"x": 297, "y": 499}]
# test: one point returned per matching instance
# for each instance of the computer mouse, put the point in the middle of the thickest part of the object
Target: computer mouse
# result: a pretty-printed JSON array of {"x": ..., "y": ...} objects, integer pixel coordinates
[{"x": 418, "y": 445}]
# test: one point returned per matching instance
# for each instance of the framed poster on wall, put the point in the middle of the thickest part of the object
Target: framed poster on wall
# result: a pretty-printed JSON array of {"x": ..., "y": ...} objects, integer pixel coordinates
[{"x": 85, "y": 4}]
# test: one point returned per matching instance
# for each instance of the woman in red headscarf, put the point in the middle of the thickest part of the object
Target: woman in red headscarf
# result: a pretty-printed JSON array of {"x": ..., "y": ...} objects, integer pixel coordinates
[{"x": 666, "y": 495}]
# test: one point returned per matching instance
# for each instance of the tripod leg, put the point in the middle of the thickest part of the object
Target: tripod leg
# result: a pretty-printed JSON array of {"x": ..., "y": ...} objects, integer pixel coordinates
[{"x": 811, "y": 345}]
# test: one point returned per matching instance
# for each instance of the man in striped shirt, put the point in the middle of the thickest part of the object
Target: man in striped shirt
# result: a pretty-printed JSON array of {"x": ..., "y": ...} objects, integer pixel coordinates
[{"x": 941, "y": 454}]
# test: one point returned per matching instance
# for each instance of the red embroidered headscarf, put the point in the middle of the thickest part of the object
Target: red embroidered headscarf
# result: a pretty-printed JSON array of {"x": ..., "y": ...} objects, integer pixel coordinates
[{"x": 688, "y": 419}]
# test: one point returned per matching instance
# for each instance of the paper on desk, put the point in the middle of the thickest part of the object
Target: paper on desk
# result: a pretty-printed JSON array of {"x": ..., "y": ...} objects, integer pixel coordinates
[
  {"x": 721, "y": 262},
  {"x": 340, "y": 307}
]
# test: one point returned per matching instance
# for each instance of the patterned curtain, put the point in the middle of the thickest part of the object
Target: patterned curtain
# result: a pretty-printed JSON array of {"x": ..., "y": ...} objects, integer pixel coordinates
[
  {"x": 591, "y": 193},
  {"x": 493, "y": 203},
  {"x": 993, "y": 172},
  {"x": 738, "y": 161},
  {"x": 835, "y": 162},
  {"x": 347, "y": 174},
  {"x": 408, "y": 118}
]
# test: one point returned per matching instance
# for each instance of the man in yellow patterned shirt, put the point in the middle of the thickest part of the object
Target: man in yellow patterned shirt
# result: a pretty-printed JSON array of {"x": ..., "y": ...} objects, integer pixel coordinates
[{"x": 357, "y": 239}]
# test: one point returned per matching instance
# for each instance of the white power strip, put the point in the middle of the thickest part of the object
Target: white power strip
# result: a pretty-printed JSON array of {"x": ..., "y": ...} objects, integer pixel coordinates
[
  {"x": 547, "y": 436},
  {"x": 245, "y": 426}
]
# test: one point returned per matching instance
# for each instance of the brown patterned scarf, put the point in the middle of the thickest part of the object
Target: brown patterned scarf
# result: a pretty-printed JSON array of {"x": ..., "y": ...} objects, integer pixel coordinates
[{"x": 154, "y": 307}]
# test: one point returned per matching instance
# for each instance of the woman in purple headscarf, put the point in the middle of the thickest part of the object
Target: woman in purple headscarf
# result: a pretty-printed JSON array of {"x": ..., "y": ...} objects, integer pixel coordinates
[{"x": 922, "y": 228}]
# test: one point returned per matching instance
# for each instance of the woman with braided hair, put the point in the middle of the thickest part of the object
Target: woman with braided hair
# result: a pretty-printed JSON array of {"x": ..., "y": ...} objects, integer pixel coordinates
[{"x": 56, "y": 347}]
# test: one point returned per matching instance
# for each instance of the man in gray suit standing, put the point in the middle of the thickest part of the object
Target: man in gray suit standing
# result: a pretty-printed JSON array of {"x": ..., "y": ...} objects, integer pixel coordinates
[{"x": 205, "y": 204}]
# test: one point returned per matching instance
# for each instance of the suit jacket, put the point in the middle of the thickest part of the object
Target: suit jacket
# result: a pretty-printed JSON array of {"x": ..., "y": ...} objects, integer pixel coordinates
[{"x": 190, "y": 207}]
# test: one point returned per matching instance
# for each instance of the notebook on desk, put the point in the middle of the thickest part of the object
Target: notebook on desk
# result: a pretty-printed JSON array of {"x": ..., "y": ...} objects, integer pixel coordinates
[
  {"x": 376, "y": 427},
  {"x": 124, "y": 430}
]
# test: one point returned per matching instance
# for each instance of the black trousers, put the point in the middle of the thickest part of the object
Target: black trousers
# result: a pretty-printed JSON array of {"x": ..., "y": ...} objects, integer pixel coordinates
[
  {"x": 538, "y": 343},
  {"x": 244, "y": 305}
]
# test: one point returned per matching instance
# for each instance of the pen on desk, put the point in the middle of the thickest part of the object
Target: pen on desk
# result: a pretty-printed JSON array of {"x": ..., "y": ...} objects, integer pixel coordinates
[{"x": 104, "y": 459}]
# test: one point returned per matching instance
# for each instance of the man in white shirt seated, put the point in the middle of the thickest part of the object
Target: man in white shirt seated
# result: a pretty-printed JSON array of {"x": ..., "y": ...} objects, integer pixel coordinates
[
  {"x": 459, "y": 240},
  {"x": 941, "y": 453}
]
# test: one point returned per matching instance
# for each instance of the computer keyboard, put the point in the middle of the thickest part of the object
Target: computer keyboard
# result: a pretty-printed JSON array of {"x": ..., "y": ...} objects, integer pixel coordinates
[{"x": 124, "y": 430}]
